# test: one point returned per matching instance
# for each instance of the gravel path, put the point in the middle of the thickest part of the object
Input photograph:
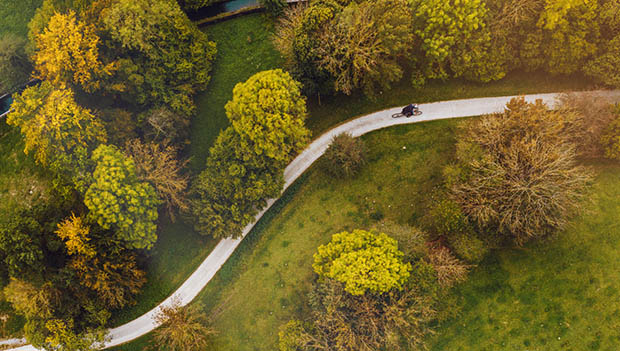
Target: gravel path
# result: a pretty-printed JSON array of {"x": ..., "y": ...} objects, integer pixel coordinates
[{"x": 356, "y": 127}]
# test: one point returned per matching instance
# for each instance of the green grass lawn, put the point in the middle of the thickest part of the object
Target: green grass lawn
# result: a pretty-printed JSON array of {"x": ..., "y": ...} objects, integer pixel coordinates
[
  {"x": 560, "y": 294},
  {"x": 16, "y": 14},
  {"x": 563, "y": 294}
]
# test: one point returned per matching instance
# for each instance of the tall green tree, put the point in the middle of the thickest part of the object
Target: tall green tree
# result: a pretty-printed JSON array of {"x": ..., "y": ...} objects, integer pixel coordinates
[
  {"x": 165, "y": 59},
  {"x": 118, "y": 200},
  {"x": 297, "y": 39},
  {"x": 234, "y": 186},
  {"x": 245, "y": 166},
  {"x": 454, "y": 40},
  {"x": 565, "y": 36},
  {"x": 22, "y": 247}
]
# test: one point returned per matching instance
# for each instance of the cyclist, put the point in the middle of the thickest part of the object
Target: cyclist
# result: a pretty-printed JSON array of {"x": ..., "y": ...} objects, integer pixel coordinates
[{"x": 408, "y": 110}]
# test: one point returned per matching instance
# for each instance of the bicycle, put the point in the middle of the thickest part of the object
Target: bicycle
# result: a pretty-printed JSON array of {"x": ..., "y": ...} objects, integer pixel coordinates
[{"x": 416, "y": 112}]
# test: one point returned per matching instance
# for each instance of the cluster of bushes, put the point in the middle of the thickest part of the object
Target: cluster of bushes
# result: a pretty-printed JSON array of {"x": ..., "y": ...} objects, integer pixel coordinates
[
  {"x": 106, "y": 122},
  {"x": 375, "y": 292},
  {"x": 346, "y": 45}
]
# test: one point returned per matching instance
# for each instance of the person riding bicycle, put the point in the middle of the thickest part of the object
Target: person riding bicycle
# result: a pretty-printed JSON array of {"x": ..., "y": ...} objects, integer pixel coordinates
[{"x": 408, "y": 110}]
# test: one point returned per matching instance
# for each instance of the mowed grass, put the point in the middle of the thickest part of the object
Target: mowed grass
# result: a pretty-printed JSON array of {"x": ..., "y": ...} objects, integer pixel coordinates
[
  {"x": 16, "y": 14},
  {"x": 243, "y": 49},
  {"x": 562, "y": 294}
]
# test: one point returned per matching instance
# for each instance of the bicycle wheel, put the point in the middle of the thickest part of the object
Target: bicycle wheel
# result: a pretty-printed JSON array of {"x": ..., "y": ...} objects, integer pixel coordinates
[
  {"x": 396, "y": 115},
  {"x": 417, "y": 112}
]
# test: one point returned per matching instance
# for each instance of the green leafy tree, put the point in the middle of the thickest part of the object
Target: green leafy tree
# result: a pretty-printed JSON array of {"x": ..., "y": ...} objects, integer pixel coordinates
[
  {"x": 246, "y": 164},
  {"x": 268, "y": 113},
  {"x": 565, "y": 38},
  {"x": 118, "y": 200},
  {"x": 606, "y": 66},
  {"x": 362, "y": 46},
  {"x": 454, "y": 40},
  {"x": 165, "y": 58},
  {"x": 182, "y": 328},
  {"x": 15, "y": 67},
  {"x": 363, "y": 261},
  {"x": 233, "y": 187},
  {"x": 21, "y": 243},
  {"x": 57, "y": 130},
  {"x": 297, "y": 39}
]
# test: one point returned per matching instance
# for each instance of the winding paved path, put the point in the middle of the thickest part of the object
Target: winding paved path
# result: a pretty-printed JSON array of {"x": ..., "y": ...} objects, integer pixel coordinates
[{"x": 356, "y": 127}]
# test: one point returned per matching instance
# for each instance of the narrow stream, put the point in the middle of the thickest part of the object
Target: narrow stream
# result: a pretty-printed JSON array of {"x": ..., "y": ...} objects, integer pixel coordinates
[
  {"x": 219, "y": 8},
  {"x": 5, "y": 104}
]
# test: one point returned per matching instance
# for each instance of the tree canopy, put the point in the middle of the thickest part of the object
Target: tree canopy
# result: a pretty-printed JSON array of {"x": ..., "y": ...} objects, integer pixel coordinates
[
  {"x": 68, "y": 53},
  {"x": 268, "y": 111},
  {"x": 117, "y": 199},
  {"x": 164, "y": 57},
  {"x": 59, "y": 132},
  {"x": 518, "y": 173},
  {"x": 363, "y": 261}
]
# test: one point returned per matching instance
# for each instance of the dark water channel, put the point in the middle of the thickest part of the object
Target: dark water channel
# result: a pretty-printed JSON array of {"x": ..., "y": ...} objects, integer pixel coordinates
[{"x": 219, "y": 8}]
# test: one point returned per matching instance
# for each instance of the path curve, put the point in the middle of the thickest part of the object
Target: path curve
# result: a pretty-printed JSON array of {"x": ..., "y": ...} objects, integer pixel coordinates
[{"x": 356, "y": 127}]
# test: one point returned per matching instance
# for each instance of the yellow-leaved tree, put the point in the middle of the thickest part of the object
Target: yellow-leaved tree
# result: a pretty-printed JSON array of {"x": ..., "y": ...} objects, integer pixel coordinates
[
  {"x": 67, "y": 53},
  {"x": 57, "y": 130},
  {"x": 75, "y": 232}
]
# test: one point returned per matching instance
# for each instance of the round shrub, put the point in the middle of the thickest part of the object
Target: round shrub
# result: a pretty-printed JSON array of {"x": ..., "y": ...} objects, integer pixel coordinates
[
  {"x": 363, "y": 261},
  {"x": 468, "y": 247},
  {"x": 345, "y": 156},
  {"x": 446, "y": 218}
]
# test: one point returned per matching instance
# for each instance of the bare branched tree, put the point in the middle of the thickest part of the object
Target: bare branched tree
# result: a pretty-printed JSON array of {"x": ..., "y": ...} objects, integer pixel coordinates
[
  {"x": 159, "y": 165},
  {"x": 450, "y": 270},
  {"x": 525, "y": 182}
]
